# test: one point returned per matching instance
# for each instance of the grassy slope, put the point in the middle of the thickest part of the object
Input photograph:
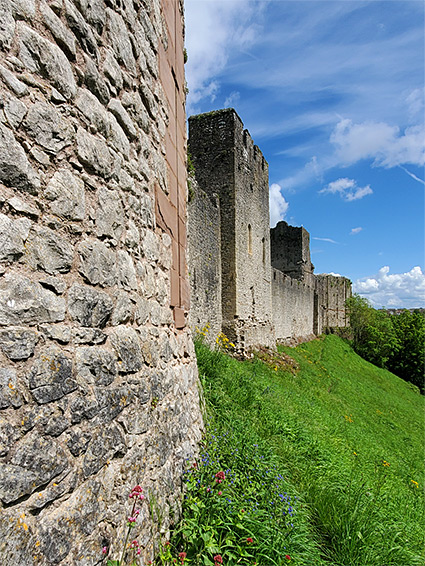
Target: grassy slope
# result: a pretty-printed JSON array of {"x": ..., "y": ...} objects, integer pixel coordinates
[{"x": 350, "y": 436}]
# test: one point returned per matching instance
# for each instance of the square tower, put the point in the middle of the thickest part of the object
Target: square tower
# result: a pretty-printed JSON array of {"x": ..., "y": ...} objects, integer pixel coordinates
[
  {"x": 290, "y": 252},
  {"x": 228, "y": 164}
]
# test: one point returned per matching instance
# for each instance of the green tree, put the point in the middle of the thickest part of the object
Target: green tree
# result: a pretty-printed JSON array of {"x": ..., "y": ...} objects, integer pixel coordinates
[{"x": 408, "y": 359}]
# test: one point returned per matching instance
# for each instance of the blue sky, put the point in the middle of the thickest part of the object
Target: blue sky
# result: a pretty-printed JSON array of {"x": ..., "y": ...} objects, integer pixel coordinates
[{"x": 333, "y": 94}]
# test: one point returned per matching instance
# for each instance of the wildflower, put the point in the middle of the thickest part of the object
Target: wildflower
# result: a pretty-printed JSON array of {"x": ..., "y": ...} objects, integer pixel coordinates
[
  {"x": 249, "y": 540},
  {"x": 220, "y": 476},
  {"x": 104, "y": 550},
  {"x": 182, "y": 556},
  {"x": 287, "y": 557},
  {"x": 134, "y": 544},
  {"x": 218, "y": 559},
  {"x": 220, "y": 492},
  {"x": 415, "y": 483},
  {"x": 136, "y": 492}
]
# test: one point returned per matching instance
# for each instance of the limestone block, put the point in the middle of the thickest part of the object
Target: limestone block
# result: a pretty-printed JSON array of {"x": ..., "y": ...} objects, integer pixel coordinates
[
  {"x": 51, "y": 377},
  {"x": 18, "y": 87},
  {"x": 62, "y": 35},
  {"x": 97, "y": 263},
  {"x": 125, "y": 271},
  {"x": 56, "y": 284},
  {"x": 9, "y": 434},
  {"x": 66, "y": 193},
  {"x": 7, "y": 24},
  {"x": 119, "y": 39},
  {"x": 149, "y": 246},
  {"x": 134, "y": 105},
  {"x": 96, "y": 365},
  {"x": 14, "y": 110},
  {"x": 13, "y": 233},
  {"x": 48, "y": 127},
  {"x": 48, "y": 251},
  {"x": 23, "y": 207},
  {"x": 88, "y": 336},
  {"x": 83, "y": 408},
  {"x": 35, "y": 462},
  {"x": 81, "y": 29},
  {"x": 95, "y": 82},
  {"x": 109, "y": 215},
  {"x": 78, "y": 441},
  {"x": 18, "y": 343},
  {"x": 123, "y": 309},
  {"x": 123, "y": 118},
  {"x": 112, "y": 70},
  {"x": 95, "y": 154},
  {"x": 43, "y": 57},
  {"x": 105, "y": 443},
  {"x": 23, "y": 8},
  {"x": 58, "y": 332},
  {"x": 15, "y": 170},
  {"x": 127, "y": 347},
  {"x": 94, "y": 12},
  {"x": 9, "y": 393},
  {"x": 88, "y": 306},
  {"x": 23, "y": 301}
]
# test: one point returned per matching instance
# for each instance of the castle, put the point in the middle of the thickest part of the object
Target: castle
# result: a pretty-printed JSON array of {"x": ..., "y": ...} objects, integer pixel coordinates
[{"x": 254, "y": 284}]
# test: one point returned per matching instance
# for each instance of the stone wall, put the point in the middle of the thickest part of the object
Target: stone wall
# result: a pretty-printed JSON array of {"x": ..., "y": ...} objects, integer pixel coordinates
[
  {"x": 268, "y": 288},
  {"x": 204, "y": 249},
  {"x": 293, "y": 307},
  {"x": 228, "y": 163},
  {"x": 98, "y": 379},
  {"x": 332, "y": 292}
]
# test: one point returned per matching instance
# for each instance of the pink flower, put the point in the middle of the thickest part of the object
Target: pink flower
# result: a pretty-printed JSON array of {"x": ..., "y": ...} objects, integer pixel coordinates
[
  {"x": 131, "y": 519},
  {"x": 104, "y": 550},
  {"x": 134, "y": 544},
  {"x": 182, "y": 556},
  {"x": 220, "y": 476},
  {"x": 218, "y": 559},
  {"x": 137, "y": 492},
  {"x": 249, "y": 540},
  {"x": 138, "y": 552},
  {"x": 220, "y": 492},
  {"x": 287, "y": 557}
]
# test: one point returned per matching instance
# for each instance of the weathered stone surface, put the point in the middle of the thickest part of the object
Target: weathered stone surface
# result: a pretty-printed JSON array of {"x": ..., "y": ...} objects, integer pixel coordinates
[
  {"x": 94, "y": 12},
  {"x": 123, "y": 118},
  {"x": 123, "y": 309},
  {"x": 88, "y": 336},
  {"x": 149, "y": 245},
  {"x": 15, "y": 170},
  {"x": 13, "y": 234},
  {"x": 110, "y": 214},
  {"x": 51, "y": 377},
  {"x": 17, "y": 543},
  {"x": 112, "y": 70},
  {"x": 58, "y": 332},
  {"x": 23, "y": 301},
  {"x": 7, "y": 24},
  {"x": 56, "y": 284},
  {"x": 9, "y": 393},
  {"x": 97, "y": 263},
  {"x": 18, "y": 343},
  {"x": 48, "y": 127},
  {"x": 105, "y": 123},
  {"x": 84, "y": 408},
  {"x": 119, "y": 39},
  {"x": 88, "y": 306},
  {"x": 127, "y": 346},
  {"x": 81, "y": 29},
  {"x": 23, "y": 8},
  {"x": 18, "y": 87},
  {"x": 78, "y": 441},
  {"x": 66, "y": 193},
  {"x": 43, "y": 57},
  {"x": 95, "y": 82},
  {"x": 35, "y": 461},
  {"x": 95, "y": 154},
  {"x": 125, "y": 271},
  {"x": 137, "y": 110},
  {"x": 9, "y": 434},
  {"x": 105, "y": 443},
  {"x": 23, "y": 207},
  {"x": 15, "y": 111},
  {"x": 62, "y": 35},
  {"x": 48, "y": 251},
  {"x": 96, "y": 365}
]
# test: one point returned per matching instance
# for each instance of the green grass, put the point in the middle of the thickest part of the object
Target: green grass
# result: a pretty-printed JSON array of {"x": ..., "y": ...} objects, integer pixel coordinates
[{"x": 345, "y": 437}]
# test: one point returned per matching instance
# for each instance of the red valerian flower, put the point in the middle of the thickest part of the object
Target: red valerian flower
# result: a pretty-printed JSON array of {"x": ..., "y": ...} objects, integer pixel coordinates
[
  {"x": 137, "y": 492},
  {"x": 182, "y": 556},
  {"x": 287, "y": 557},
  {"x": 249, "y": 540},
  {"x": 220, "y": 476},
  {"x": 218, "y": 559}
]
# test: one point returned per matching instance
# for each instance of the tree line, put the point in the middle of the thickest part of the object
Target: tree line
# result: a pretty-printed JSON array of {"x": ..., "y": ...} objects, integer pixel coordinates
[{"x": 391, "y": 341}]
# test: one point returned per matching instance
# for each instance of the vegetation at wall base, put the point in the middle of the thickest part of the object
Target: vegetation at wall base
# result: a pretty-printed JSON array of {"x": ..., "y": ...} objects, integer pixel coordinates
[{"x": 339, "y": 438}]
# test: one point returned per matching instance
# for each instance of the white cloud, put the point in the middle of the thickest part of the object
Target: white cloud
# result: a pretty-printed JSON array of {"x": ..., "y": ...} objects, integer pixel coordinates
[
  {"x": 378, "y": 141},
  {"x": 399, "y": 290},
  {"x": 415, "y": 103},
  {"x": 347, "y": 189},
  {"x": 232, "y": 99},
  {"x": 326, "y": 240},
  {"x": 355, "y": 230},
  {"x": 278, "y": 205}
]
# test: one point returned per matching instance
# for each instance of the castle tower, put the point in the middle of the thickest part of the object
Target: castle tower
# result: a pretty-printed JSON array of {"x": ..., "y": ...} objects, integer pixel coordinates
[
  {"x": 290, "y": 252},
  {"x": 227, "y": 163}
]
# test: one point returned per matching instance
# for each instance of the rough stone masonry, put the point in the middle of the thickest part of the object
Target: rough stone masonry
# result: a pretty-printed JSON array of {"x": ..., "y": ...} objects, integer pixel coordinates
[{"x": 98, "y": 379}]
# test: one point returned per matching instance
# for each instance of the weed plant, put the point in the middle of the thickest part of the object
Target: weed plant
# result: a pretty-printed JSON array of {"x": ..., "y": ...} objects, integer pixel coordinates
[{"x": 344, "y": 437}]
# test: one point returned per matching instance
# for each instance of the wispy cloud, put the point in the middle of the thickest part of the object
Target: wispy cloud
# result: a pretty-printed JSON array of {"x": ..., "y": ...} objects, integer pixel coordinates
[
  {"x": 355, "y": 230},
  {"x": 400, "y": 290},
  {"x": 347, "y": 189},
  {"x": 278, "y": 205},
  {"x": 325, "y": 240}
]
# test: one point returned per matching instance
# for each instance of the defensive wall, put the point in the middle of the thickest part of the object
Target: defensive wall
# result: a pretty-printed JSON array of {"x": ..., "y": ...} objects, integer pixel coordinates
[
  {"x": 98, "y": 378},
  {"x": 267, "y": 291}
]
